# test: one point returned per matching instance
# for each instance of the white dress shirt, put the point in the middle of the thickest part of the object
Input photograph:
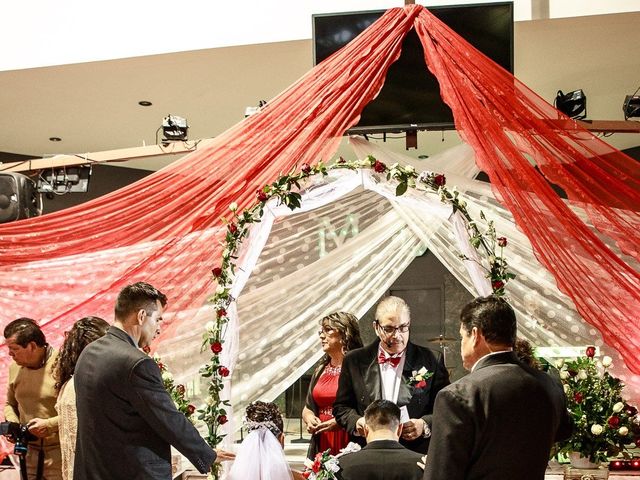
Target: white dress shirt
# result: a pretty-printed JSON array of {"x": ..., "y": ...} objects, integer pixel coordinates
[{"x": 390, "y": 376}]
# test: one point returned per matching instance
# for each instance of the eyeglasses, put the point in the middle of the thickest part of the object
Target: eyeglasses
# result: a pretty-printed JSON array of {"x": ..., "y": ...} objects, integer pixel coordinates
[
  {"x": 389, "y": 330},
  {"x": 326, "y": 331}
]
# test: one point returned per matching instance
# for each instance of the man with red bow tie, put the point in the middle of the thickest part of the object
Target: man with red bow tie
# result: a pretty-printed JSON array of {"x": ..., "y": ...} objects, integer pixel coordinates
[{"x": 391, "y": 368}]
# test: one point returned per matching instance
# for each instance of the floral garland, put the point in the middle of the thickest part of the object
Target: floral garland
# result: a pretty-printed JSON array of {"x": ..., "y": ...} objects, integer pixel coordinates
[
  {"x": 177, "y": 392},
  {"x": 324, "y": 466},
  {"x": 286, "y": 190}
]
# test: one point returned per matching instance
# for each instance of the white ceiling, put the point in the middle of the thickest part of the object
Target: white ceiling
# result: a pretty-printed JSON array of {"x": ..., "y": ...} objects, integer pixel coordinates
[{"x": 94, "y": 106}]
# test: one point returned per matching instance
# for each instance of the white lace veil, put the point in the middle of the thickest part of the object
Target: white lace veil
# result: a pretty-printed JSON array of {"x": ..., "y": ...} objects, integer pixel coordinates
[{"x": 260, "y": 457}]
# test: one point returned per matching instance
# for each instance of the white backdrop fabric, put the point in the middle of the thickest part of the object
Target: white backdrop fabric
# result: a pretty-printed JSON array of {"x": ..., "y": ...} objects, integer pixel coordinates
[{"x": 343, "y": 250}]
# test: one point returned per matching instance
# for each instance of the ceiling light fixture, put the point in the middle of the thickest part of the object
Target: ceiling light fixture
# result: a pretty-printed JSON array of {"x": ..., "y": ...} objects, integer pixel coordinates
[
  {"x": 55, "y": 139},
  {"x": 145, "y": 103}
]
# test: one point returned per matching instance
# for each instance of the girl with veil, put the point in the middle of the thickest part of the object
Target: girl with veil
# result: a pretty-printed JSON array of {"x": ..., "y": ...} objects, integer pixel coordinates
[{"x": 261, "y": 454}]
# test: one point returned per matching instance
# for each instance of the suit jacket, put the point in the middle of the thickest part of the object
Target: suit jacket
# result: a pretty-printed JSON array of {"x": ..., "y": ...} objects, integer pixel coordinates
[
  {"x": 310, "y": 403},
  {"x": 498, "y": 422},
  {"x": 380, "y": 460},
  {"x": 126, "y": 419},
  {"x": 360, "y": 384}
]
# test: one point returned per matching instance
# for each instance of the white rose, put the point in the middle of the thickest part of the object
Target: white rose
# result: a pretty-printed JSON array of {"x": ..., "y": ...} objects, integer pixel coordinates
[
  {"x": 560, "y": 363},
  {"x": 567, "y": 389},
  {"x": 596, "y": 429},
  {"x": 582, "y": 375},
  {"x": 623, "y": 431},
  {"x": 618, "y": 407},
  {"x": 564, "y": 375},
  {"x": 220, "y": 289},
  {"x": 226, "y": 253},
  {"x": 606, "y": 361},
  {"x": 166, "y": 376},
  {"x": 210, "y": 327},
  {"x": 233, "y": 207}
]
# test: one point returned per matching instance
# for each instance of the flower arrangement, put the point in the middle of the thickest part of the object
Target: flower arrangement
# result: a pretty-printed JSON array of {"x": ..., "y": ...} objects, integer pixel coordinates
[
  {"x": 604, "y": 424},
  {"x": 325, "y": 466},
  {"x": 286, "y": 190},
  {"x": 419, "y": 378},
  {"x": 177, "y": 392}
]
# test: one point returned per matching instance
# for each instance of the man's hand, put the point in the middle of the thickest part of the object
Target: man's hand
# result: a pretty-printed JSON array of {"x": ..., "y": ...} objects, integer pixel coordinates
[
  {"x": 224, "y": 456},
  {"x": 39, "y": 427},
  {"x": 413, "y": 429},
  {"x": 360, "y": 427}
]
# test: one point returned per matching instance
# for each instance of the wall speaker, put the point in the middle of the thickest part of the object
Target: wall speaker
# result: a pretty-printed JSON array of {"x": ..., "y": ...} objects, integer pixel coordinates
[{"x": 19, "y": 197}]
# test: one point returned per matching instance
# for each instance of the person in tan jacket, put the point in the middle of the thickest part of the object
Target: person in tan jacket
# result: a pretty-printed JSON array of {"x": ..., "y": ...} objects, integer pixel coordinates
[{"x": 31, "y": 395}]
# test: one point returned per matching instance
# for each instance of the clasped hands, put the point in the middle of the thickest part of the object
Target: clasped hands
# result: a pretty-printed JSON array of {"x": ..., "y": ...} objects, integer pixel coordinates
[{"x": 315, "y": 425}]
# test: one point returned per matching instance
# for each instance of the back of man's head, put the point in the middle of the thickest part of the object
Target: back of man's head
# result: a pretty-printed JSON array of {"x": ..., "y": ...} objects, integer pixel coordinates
[
  {"x": 135, "y": 297},
  {"x": 494, "y": 317},
  {"x": 25, "y": 330},
  {"x": 382, "y": 418}
]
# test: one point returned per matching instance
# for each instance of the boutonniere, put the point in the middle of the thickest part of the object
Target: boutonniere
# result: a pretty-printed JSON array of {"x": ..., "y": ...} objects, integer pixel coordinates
[{"x": 419, "y": 378}]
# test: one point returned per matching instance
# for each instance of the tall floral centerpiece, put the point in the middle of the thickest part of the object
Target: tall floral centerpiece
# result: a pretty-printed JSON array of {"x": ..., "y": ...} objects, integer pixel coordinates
[{"x": 604, "y": 424}]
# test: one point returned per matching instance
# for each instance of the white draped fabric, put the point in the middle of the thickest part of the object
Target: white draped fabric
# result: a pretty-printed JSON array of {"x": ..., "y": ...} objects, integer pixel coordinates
[{"x": 341, "y": 251}]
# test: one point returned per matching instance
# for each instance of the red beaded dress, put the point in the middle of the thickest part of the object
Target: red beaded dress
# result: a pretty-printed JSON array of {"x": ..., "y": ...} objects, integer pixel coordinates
[{"x": 324, "y": 394}]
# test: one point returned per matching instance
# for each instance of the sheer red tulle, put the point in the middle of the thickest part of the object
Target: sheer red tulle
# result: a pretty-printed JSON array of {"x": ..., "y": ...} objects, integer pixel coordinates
[{"x": 166, "y": 229}]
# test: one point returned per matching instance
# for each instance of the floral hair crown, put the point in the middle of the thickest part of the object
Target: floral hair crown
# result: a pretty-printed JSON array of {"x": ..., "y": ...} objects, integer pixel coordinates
[{"x": 252, "y": 425}]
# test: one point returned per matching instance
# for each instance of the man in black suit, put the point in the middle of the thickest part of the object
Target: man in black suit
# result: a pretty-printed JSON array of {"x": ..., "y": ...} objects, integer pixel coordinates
[
  {"x": 501, "y": 420},
  {"x": 384, "y": 370},
  {"x": 383, "y": 457},
  {"x": 126, "y": 419}
]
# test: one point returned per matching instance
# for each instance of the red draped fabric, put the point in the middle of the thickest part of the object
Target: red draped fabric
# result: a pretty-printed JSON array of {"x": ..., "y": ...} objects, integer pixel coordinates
[{"x": 166, "y": 229}]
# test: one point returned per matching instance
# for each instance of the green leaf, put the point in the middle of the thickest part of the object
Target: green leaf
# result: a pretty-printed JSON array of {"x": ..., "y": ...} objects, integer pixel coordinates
[{"x": 401, "y": 189}]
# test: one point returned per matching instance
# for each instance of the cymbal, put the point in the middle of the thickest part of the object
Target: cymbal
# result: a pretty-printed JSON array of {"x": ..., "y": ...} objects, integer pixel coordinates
[{"x": 442, "y": 339}]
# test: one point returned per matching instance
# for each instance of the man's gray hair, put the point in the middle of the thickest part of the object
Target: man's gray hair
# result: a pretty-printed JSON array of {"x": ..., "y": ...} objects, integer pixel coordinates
[{"x": 393, "y": 306}]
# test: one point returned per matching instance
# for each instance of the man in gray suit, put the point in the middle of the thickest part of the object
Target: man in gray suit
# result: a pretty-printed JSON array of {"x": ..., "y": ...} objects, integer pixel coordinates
[
  {"x": 500, "y": 421},
  {"x": 383, "y": 457},
  {"x": 127, "y": 421}
]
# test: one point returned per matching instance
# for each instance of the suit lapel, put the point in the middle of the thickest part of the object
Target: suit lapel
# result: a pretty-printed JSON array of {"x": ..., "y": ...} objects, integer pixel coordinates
[
  {"x": 371, "y": 374},
  {"x": 405, "y": 393}
]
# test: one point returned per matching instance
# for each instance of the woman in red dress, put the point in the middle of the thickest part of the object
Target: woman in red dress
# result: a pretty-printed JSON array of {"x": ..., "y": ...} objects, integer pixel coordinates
[{"x": 339, "y": 333}]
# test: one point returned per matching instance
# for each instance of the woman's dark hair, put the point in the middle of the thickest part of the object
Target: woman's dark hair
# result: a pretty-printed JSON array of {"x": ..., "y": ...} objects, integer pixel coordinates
[
  {"x": 264, "y": 414},
  {"x": 524, "y": 352},
  {"x": 83, "y": 332},
  {"x": 346, "y": 324}
]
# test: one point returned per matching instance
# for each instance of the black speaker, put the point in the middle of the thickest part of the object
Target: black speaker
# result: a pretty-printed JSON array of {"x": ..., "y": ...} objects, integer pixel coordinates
[{"x": 19, "y": 197}]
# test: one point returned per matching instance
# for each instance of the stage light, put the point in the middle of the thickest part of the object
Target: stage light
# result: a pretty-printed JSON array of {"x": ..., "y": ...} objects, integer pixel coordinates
[
  {"x": 61, "y": 180},
  {"x": 174, "y": 128},
  {"x": 631, "y": 106},
  {"x": 572, "y": 104}
]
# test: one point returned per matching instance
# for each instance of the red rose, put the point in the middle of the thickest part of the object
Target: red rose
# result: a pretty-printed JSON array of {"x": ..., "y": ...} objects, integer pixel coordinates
[
  {"x": 262, "y": 196},
  {"x": 161, "y": 366},
  {"x": 421, "y": 384},
  {"x": 222, "y": 312},
  {"x": 630, "y": 410},
  {"x": 591, "y": 351},
  {"x": 216, "y": 347},
  {"x": 341, "y": 160},
  {"x": 317, "y": 464},
  {"x": 222, "y": 419},
  {"x": 146, "y": 349},
  {"x": 440, "y": 180},
  {"x": 190, "y": 409},
  {"x": 572, "y": 373},
  {"x": 379, "y": 167},
  {"x": 180, "y": 389},
  {"x": 223, "y": 371},
  {"x": 502, "y": 242},
  {"x": 306, "y": 474},
  {"x": 305, "y": 168},
  {"x": 233, "y": 228},
  {"x": 497, "y": 284},
  {"x": 217, "y": 272},
  {"x": 578, "y": 397},
  {"x": 614, "y": 421}
]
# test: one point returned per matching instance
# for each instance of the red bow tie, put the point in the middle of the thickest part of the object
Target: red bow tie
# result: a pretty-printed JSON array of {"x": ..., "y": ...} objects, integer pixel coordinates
[{"x": 393, "y": 361}]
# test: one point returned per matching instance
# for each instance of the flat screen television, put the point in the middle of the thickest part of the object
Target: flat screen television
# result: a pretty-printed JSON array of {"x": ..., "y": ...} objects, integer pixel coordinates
[{"x": 410, "y": 98}]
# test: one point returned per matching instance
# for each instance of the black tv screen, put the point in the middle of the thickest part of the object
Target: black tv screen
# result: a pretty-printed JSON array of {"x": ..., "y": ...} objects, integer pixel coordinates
[{"x": 410, "y": 98}]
